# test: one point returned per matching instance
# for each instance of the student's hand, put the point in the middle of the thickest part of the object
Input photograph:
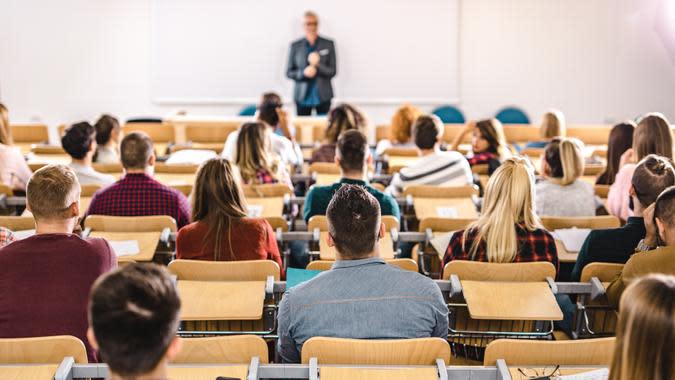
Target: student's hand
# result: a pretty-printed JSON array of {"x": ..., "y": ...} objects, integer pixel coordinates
[
  {"x": 652, "y": 233},
  {"x": 627, "y": 157},
  {"x": 310, "y": 71},
  {"x": 469, "y": 127},
  {"x": 313, "y": 58},
  {"x": 283, "y": 123}
]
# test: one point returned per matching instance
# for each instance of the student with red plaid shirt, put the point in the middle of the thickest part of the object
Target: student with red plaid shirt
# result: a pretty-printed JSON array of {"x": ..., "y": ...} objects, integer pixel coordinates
[
  {"x": 6, "y": 236},
  {"x": 137, "y": 193},
  {"x": 508, "y": 229},
  {"x": 488, "y": 144}
]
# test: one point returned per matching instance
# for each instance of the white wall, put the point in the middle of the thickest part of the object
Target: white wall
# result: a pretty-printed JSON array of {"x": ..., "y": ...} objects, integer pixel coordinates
[{"x": 597, "y": 60}]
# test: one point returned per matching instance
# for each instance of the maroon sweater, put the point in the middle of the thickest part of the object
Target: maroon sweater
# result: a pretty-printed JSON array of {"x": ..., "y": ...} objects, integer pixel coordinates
[{"x": 45, "y": 282}]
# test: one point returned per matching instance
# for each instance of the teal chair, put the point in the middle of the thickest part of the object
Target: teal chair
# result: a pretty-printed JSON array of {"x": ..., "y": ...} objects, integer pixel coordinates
[
  {"x": 512, "y": 115},
  {"x": 248, "y": 110},
  {"x": 449, "y": 115}
]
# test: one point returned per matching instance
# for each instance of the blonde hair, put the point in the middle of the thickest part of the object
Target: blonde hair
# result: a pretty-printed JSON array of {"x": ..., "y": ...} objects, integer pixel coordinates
[
  {"x": 552, "y": 125},
  {"x": 5, "y": 132},
  {"x": 645, "y": 333},
  {"x": 565, "y": 160},
  {"x": 492, "y": 131},
  {"x": 653, "y": 136},
  {"x": 51, "y": 191},
  {"x": 254, "y": 152},
  {"x": 509, "y": 201},
  {"x": 402, "y": 122}
]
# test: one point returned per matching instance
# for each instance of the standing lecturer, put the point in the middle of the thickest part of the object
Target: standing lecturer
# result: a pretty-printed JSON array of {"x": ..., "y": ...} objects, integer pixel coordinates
[{"x": 312, "y": 64}]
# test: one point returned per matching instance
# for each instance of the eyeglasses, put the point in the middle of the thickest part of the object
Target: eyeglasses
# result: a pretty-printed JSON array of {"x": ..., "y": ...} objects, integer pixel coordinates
[
  {"x": 534, "y": 374},
  {"x": 311, "y": 23}
]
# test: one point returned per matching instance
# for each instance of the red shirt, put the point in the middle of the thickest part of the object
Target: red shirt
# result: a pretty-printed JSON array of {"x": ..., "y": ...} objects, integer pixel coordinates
[
  {"x": 45, "y": 282},
  {"x": 140, "y": 195},
  {"x": 252, "y": 239}
]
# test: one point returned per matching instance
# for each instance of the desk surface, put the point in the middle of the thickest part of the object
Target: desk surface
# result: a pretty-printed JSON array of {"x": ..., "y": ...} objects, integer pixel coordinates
[
  {"x": 328, "y": 253},
  {"x": 63, "y": 159},
  {"x": 521, "y": 301},
  {"x": 27, "y": 371},
  {"x": 428, "y": 207},
  {"x": 340, "y": 373},
  {"x": 327, "y": 179},
  {"x": 195, "y": 372},
  {"x": 221, "y": 301},
  {"x": 564, "y": 256},
  {"x": 532, "y": 371},
  {"x": 147, "y": 243},
  {"x": 271, "y": 206},
  {"x": 170, "y": 179}
]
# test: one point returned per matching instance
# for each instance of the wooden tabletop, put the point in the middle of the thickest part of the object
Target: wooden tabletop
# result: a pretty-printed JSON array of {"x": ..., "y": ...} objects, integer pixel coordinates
[
  {"x": 27, "y": 371},
  {"x": 327, "y": 179},
  {"x": 147, "y": 243},
  {"x": 520, "y": 301},
  {"x": 62, "y": 159},
  {"x": 328, "y": 253},
  {"x": 340, "y": 373},
  {"x": 428, "y": 207},
  {"x": 196, "y": 372},
  {"x": 221, "y": 301},
  {"x": 271, "y": 206},
  {"x": 402, "y": 161},
  {"x": 564, "y": 256},
  {"x": 170, "y": 179}
]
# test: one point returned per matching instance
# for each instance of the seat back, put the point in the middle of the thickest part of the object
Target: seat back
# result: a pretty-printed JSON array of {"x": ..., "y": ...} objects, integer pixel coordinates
[
  {"x": 108, "y": 168},
  {"x": 324, "y": 168},
  {"x": 43, "y": 350},
  {"x": 444, "y": 224},
  {"x": 47, "y": 149},
  {"x": 402, "y": 151},
  {"x": 605, "y": 272},
  {"x": 245, "y": 270},
  {"x": 405, "y": 264},
  {"x": 601, "y": 190},
  {"x": 449, "y": 115},
  {"x": 30, "y": 133},
  {"x": 321, "y": 222},
  {"x": 238, "y": 349},
  {"x": 593, "y": 222},
  {"x": 382, "y": 132},
  {"x": 6, "y": 190},
  {"x": 210, "y": 131},
  {"x": 431, "y": 191},
  {"x": 17, "y": 223},
  {"x": 518, "y": 272},
  {"x": 541, "y": 352},
  {"x": 88, "y": 190},
  {"x": 175, "y": 168},
  {"x": 151, "y": 223},
  {"x": 512, "y": 115},
  {"x": 268, "y": 190},
  {"x": 158, "y": 132}
]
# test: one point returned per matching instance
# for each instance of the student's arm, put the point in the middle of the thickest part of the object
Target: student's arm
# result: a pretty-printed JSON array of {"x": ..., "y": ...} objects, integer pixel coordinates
[
  {"x": 292, "y": 70},
  {"x": 441, "y": 315},
  {"x": 615, "y": 290},
  {"x": 307, "y": 209},
  {"x": 395, "y": 187},
  {"x": 330, "y": 69},
  {"x": 468, "y": 128},
  {"x": 286, "y": 346},
  {"x": 393, "y": 207},
  {"x": 23, "y": 172}
]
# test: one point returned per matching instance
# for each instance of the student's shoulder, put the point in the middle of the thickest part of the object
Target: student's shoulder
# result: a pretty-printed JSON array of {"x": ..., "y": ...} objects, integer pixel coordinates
[{"x": 414, "y": 282}]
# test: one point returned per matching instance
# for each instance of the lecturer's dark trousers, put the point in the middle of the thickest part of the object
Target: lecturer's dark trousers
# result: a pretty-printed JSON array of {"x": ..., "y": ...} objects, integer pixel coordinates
[{"x": 321, "y": 109}]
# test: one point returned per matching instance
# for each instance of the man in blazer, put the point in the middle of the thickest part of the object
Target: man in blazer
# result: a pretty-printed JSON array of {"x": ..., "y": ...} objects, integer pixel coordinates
[{"x": 312, "y": 64}]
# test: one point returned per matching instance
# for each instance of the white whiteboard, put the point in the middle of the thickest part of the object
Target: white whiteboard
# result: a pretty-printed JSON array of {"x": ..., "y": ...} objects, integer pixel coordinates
[{"x": 230, "y": 51}]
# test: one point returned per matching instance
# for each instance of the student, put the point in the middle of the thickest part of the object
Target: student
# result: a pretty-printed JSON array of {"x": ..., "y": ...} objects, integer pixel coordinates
[
  {"x": 560, "y": 192},
  {"x": 353, "y": 157},
  {"x": 508, "y": 230},
  {"x": 257, "y": 163},
  {"x": 45, "y": 279},
  {"x": 79, "y": 141},
  {"x": 552, "y": 125},
  {"x": 6, "y": 236},
  {"x": 108, "y": 132},
  {"x": 401, "y": 130},
  {"x": 488, "y": 144},
  {"x": 435, "y": 167},
  {"x": 221, "y": 230},
  {"x": 645, "y": 331},
  {"x": 657, "y": 249},
  {"x": 352, "y": 299},
  {"x": 14, "y": 171},
  {"x": 137, "y": 193},
  {"x": 652, "y": 136},
  {"x": 342, "y": 118},
  {"x": 134, "y": 314},
  {"x": 620, "y": 140},
  {"x": 652, "y": 176}
]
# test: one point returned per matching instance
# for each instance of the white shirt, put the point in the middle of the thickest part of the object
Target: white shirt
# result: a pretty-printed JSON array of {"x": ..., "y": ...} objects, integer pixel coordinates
[
  {"x": 106, "y": 155},
  {"x": 440, "y": 168},
  {"x": 288, "y": 152},
  {"x": 88, "y": 176}
]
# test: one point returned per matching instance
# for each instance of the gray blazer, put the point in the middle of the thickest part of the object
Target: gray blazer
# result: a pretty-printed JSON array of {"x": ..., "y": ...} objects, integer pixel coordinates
[{"x": 327, "y": 68}]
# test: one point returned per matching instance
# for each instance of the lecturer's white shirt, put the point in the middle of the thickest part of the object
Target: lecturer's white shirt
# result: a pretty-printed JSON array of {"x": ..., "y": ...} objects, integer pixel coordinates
[{"x": 288, "y": 152}]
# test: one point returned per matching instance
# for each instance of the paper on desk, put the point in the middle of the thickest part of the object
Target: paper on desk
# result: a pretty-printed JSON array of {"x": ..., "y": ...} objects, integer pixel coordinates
[
  {"x": 447, "y": 212},
  {"x": 255, "y": 211},
  {"x": 572, "y": 238},
  {"x": 440, "y": 243},
  {"x": 191, "y": 156},
  {"x": 598, "y": 374},
  {"x": 125, "y": 247},
  {"x": 18, "y": 235}
]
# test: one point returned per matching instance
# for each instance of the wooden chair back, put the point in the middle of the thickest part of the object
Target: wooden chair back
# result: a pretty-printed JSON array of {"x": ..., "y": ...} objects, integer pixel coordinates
[
  {"x": 108, "y": 168},
  {"x": 158, "y": 132},
  {"x": 532, "y": 152},
  {"x": 516, "y": 272},
  {"x": 482, "y": 169},
  {"x": 521, "y": 352},
  {"x": 402, "y": 151},
  {"x": 519, "y": 133},
  {"x": 595, "y": 134},
  {"x": 6, "y": 190},
  {"x": 593, "y": 222},
  {"x": 318, "y": 133},
  {"x": 605, "y": 272},
  {"x": 184, "y": 188},
  {"x": 378, "y": 186},
  {"x": 452, "y": 130},
  {"x": 268, "y": 190},
  {"x": 382, "y": 132},
  {"x": 245, "y": 270},
  {"x": 601, "y": 191},
  {"x": 17, "y": 223},
  {"x": 444, "y": 224},
  {"x": 321, "y": 222},
  {"x": 43, "y": 350},
  {"x": 130, "y": 223},
  {"x": 430, "y": 191},
  {"x": 277, "y": 222},
  {"x": 238, "y": 349},
  {"x": 89, "y": 190},
  {"x": 47, "y": 149},
  {"x": 420, "y": 351},
  {"x": 210, "y": 132},
  {"x": 405, "y": 264},
  {"x": 30, "y": 133},
  {"x": 161, "y": 167},
  {"x": 324, "y": 168}
]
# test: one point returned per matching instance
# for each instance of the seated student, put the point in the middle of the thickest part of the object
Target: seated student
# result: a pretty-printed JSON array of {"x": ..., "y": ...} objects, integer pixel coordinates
[
  {"x": 108, "y": 132},
  {"x": 133, "y": 318},
  {"x": 354, "y": 299},
  {"x": 645, "y": 331},
  {"x": 620, "y": 140},
  {"x": 221, "y": 230},
  {"x": 657, "y": 249},
  {"x": 353, "y": 157},
  {"x": 6, "y": 236},
  {"x": 137, "y": 193},
  {"x": 342, "y": 118},
  {"x": 508, "y": 230},
  {"x": 652, "y": 136},
  {"x": 552, "y": 125},
  {"x": 652, "y": 176},
  {"x": 45, "y": 279},
  {"x": 435, "y": 167},
  {"x": 488, "y": 145},
  {"x": 401, "y": 130},
  {"x": 560, "y": 192},
  {"x": 14, "y": 171},
  {"x": 79, "y": 141},
  {"x": 257, "y": 163}
]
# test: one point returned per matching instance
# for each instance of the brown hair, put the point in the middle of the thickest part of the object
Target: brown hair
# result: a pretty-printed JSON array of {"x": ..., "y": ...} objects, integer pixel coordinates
[
  {"x": 218, "y": 201},
  {"x": 427, "y": 128},
  {"x": 51, "y": 191},
  {"x": 645, "y": 333},
  {"x": 552, "y": 125},
  {"x": 493, "y": 132},
  {"x": 620, "y": 140},
  {"x": 653, "y": 136},
  {"x": 253, "y": 152},
  {"x": 343, "y": 118},
  {"x": 352, "y": 151},
  {"x": 651, "y": 177},
  {"x": 664, "y": 207},
  {"x": 135, "y": 150},
  {"x": 104, "y": 127},
  {"x": 402, "y": 122},
  {"x": 565, "y": 160},
  {"x": 5, "y": 131},
  {"x": 353, "y": 221}
]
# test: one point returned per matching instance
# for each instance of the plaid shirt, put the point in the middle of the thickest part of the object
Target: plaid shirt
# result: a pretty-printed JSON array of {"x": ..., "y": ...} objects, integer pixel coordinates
[
  {"x": 537, "y": 245},
  {"x": 6, "y": 236},
  {"x": 140, "y": 195},
  {"x": 482, "y": 158},
  {"x": 264, "y": 177}
]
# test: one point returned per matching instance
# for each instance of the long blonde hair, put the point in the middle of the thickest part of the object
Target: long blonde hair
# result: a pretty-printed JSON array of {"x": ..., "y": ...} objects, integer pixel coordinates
[
  {"x": 508, "y": 201},
  {"x": 254, "y": 152},
  {"x": 565, "y": 160},
  {"x": 645, "y": 334},
  {"x": 5, "y": 132},
  {"x": 552, "y": 125}
]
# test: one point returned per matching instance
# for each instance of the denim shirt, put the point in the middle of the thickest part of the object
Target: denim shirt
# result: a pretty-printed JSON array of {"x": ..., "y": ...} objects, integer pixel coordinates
[{"x": 361, "y": 299}]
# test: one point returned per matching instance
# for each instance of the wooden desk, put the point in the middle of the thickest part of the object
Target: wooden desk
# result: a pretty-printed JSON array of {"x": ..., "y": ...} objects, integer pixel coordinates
[
  {"x": 564, "y": 256},
  {"x": 147, "y": 243},
  {"x": 196, "y": 372},
  {"x": 562, "y": 371},
  {"x": 427, "y": 207},
  {"x": 62, "y": 159},
  {"x": 221, "y": 301},
  {"x": 519, "y": 301},
  {"x": 27, "y": 371},
  {"x": 403, "y": 373},
  {"x": 328, "y": 253},
  {"x": 170, "y": 179},
  {"x": 327, "y": 179},
  {"x": 272, "y": 206}
]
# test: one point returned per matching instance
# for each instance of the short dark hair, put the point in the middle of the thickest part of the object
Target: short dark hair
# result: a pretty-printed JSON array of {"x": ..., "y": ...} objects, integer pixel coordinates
[
  {"x": 77, "y": 139},
  {"x": 270, "y": 97},
  {"x": 652, "y": 175},
  {"x": 665, "y": 206},
  {"x": 104, "y": 127},
  {"x": 134, "y": 313},
  {"x": 353, "y": 221},
  {"x": 426, "y": 130},
  {"x": 268, "y": 112},
  {"x": 352, "y": 150},
  {"x": 136, "y": 149}
]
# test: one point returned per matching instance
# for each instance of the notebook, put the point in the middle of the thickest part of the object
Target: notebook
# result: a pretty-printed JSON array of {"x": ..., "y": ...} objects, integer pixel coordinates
[
  {"x": 598, "y": 374},
  {"x": 295, "y": 277},
  {"x": 572, "y": 238},
  {"x": 255, "y": 211},
  {"x": 125, "y": 247},
  {"x": 447, "y": 212}
]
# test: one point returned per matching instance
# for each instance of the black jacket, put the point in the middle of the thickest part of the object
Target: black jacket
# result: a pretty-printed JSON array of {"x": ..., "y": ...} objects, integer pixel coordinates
[{"x": 297, "y": 61}]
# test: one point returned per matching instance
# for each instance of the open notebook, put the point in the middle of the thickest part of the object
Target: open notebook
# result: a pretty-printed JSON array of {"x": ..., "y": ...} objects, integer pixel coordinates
[
  {"x": 598, "y": 374},
  {"x": 125, "y": 247},
  {"x": 572, "y": 238}
]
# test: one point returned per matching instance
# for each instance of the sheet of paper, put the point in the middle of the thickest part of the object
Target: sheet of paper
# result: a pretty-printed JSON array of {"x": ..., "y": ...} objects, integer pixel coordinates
[
  {"x": 125, "y": 247},
  {"x": 572, "y": 238},
  {"x": 18, "y": 235},
  {"x": 191, "y": 156},
  {"x": 447, "y": 212},
  {"x": 296, "y": 277},
  {"x": 441, "y": 242},
  {"x": 255, "y": 211},
  {"x": 598, "y": 374}
]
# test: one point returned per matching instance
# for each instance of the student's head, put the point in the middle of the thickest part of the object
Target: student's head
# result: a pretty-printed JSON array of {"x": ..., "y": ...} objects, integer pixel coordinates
[
  {"x": 653, "y": 136},
  {"x": 79, "y": 140},
  {"x": 402, "y": 122},
  {"x": 311, "y": 23},
  {"x": 5, "y": 132},
  {"x": 137, "y": 152},
  {"x": 664, "y": 216},
  {"x": 646, "y": 330},
  {"x": 552, "y": 125},
  {"x": 352, "y": 154},
  {"x": 620, "y": 140},
  {"x": 509, "y": 200},
  {"x": 53, "y": 195},
  {"x": 342, "y": 118},
  {"x": 133, "y": 319},
  {"x": 267, "y": 112},
  {"x": 107, "y": 130},
  {"x": 253, "y": 150},
  {"x": 652, "y": 175},
  {"x": 427, "y": 130},
  {"x": 271, "y": 97},
  {"x": 563, "y": 160},
  {"x": 488, "y": 136},
  {"x": 217, "y": 200},
  {"x": 354, "y": 225}
]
